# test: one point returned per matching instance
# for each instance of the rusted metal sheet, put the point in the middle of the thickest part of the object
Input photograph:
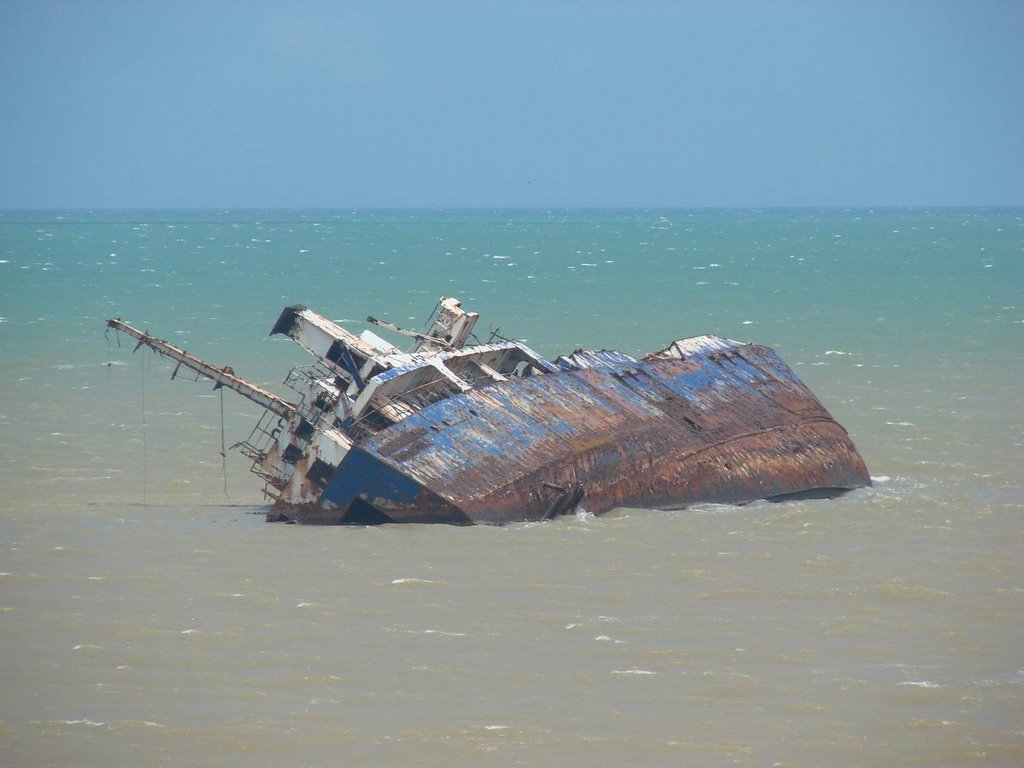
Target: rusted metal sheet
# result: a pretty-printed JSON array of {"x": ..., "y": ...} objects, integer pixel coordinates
[
  {"x": 661, "y": 433},
  {"x": 495, "y": 433}
]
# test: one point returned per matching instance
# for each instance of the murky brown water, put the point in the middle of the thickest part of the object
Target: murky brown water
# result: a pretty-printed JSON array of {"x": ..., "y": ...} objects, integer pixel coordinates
[{"x": 863, "y": 631}]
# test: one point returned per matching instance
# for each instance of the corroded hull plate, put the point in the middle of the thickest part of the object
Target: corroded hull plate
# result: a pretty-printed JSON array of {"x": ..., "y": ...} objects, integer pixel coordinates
[{"x": 727, "y": 424}]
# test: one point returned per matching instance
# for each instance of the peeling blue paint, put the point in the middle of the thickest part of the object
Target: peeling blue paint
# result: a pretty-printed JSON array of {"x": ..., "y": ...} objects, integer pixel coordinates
[{"x": 361, "y": 475}]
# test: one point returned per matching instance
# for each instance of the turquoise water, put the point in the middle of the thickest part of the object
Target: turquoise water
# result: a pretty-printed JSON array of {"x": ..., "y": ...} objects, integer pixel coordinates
[
  {"x": 888, "y": 623},
  {"x": 892, "y": 316}
]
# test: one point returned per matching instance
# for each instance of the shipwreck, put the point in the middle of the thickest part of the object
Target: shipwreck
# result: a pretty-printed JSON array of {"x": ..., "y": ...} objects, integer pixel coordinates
[{"x": 462, "y": 432}]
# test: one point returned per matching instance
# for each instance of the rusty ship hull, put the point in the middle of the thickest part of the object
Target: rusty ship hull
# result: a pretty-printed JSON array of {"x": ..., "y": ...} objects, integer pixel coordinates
[
  {"x": 460, "y": 433},
  {"x": 725, "y": 423}
]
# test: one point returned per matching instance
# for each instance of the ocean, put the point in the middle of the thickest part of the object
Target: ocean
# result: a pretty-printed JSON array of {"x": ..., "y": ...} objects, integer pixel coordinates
[{"x": 150, "y": 617}]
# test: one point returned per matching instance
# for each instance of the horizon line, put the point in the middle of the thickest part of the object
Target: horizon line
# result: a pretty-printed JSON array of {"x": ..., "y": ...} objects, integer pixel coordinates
[{"x": 477, "y": 209}]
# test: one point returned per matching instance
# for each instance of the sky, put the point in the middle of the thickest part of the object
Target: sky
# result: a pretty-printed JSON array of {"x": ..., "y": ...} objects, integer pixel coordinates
[{"x": 526, "y": 104}]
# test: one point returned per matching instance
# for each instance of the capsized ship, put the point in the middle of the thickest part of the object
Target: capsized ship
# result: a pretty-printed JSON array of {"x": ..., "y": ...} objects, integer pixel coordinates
[{"x": 459, "y": 432}]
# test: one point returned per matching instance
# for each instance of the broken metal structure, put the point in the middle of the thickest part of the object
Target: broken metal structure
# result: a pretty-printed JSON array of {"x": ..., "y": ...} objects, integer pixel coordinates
[{"x": 494, "y": 433}]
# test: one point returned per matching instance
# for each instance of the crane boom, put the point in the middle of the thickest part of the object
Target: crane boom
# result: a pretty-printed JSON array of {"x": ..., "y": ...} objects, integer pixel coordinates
[{"x": 221, "y": 377}]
